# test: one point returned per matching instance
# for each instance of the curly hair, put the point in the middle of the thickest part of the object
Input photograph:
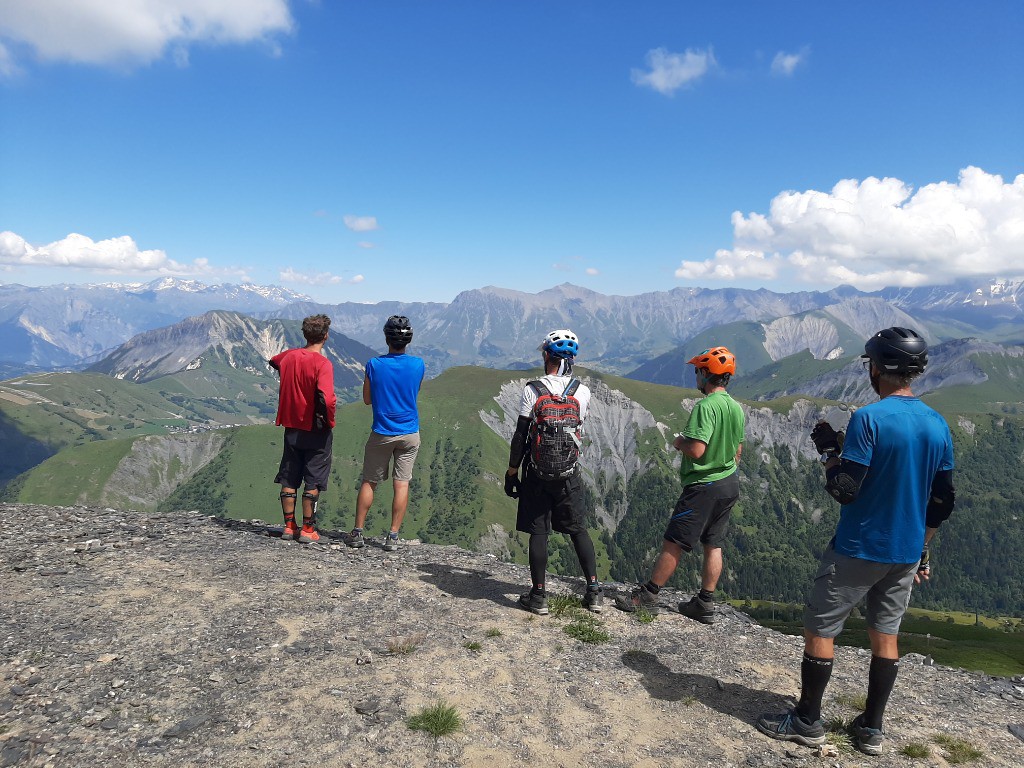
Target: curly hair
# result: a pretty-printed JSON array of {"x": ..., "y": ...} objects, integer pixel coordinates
[{"x": 315, "y": 327}]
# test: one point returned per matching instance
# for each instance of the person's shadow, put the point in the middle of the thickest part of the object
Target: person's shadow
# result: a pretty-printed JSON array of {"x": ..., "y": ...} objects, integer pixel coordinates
[
  {"x": 469, "y": 583},
  {"x": 732, "y": 699}
]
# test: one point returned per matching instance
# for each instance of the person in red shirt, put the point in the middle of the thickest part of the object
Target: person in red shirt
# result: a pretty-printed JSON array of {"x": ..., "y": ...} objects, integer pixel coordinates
[{"x": 305, "y": 408}]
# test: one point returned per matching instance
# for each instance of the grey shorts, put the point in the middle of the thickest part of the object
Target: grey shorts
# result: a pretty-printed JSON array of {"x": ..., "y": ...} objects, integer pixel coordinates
[
  {"x": 381, "y": 449},
  {"x": 841, "y": 582}
]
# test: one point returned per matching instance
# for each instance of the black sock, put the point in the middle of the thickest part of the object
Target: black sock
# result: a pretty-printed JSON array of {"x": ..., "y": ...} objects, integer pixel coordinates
[
  {"x": 708, "y": 596},
  {"x": 881, "y": 678},
  {"x": 651, "y": 587},
  {"x": 585, "y": 553},
  {"x": 538, "y": 560},
  {"x": 814, "y": 675}
]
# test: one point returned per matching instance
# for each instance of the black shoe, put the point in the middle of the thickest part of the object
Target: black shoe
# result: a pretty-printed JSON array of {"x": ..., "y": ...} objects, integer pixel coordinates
[
  {"x": 698, "y": 610},
  {"x": 534, "y": 603},
  {"x": 789, "y": 726},
  {"x": 867, "y": 740},
  {"x": 638, "y": 598},
  {"x": 593, "y": 600}
]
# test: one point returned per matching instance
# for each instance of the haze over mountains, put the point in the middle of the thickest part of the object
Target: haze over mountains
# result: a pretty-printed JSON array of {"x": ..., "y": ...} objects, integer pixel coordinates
[{"x": 76, "y": 325}]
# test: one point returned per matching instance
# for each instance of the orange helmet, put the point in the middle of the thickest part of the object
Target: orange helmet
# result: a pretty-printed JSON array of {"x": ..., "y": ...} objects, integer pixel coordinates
[{"x": 717, "y": 360}]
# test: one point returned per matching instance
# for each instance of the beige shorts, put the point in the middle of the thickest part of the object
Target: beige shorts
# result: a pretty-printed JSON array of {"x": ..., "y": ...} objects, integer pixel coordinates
[{"x": 380, "y": 449}]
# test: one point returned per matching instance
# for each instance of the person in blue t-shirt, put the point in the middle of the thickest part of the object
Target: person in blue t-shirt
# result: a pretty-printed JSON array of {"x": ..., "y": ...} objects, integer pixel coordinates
[
  {"x": 391, "y": 386},
  {"x": 892, "y": 472}
]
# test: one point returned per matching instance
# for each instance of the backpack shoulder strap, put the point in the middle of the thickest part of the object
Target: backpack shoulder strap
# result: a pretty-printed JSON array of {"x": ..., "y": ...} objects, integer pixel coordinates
[
  {"x": 570, "y": 390},
  {"x": 538, "y": 387}
]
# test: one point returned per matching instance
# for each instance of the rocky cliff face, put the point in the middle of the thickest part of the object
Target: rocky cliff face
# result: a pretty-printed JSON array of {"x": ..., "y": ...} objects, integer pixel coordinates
[{"x": 134, "y": 639}]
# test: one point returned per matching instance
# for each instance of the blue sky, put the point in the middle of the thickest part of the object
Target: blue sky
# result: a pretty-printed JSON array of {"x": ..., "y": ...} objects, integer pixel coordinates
[{"x": 412, "y": 150}]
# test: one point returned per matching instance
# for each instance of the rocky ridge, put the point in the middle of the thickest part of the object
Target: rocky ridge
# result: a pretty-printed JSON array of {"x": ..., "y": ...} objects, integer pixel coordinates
[{"x": 181, "y": 640}]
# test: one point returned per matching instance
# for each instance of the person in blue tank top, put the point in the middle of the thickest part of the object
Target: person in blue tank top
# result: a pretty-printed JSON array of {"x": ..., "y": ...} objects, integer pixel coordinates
[
  {"x": 391, "y": 387},
  {"x": 892, "y": 472}
]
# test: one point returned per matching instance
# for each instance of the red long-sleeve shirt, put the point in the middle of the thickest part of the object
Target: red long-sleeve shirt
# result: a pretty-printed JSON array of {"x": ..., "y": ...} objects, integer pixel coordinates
[{"x": 303, "y": 372}]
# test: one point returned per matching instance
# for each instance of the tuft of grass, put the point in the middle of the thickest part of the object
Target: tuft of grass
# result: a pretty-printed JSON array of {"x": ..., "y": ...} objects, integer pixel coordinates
[
  {"x": 472, "y": 645},
  {"x": 586, "y": 629},
  {"x": 689, "y": 701},
  {"x": 405, "y": 646},
  {"x": 561, "y": 605},
  {"x": 852, "y": 701},
  {"x": 958, "y": 751},
  {"x": 440, "y": 719},
  {"x": 915, "y": 749},
  {"x": 493, "y": 632},
  {"x": 643, "y": 616}
]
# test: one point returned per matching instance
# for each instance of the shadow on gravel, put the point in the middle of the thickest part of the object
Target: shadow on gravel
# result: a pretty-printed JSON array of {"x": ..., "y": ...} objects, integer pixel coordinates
[
  {"x": 738, "y": 701},
  {"x": 274, "y": 531},
  {"x": 468, "y": 583}
]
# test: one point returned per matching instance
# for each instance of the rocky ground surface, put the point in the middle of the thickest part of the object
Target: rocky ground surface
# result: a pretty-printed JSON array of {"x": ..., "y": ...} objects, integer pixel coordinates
[{"x": 131, "y": 639}]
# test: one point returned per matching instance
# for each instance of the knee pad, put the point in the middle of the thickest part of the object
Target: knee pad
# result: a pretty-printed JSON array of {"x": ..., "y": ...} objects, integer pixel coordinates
[{"x": 285, "y": 495}]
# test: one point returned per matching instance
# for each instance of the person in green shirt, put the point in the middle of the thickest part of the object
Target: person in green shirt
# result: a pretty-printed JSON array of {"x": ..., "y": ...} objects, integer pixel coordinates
[{"x": 711, "y": 444}]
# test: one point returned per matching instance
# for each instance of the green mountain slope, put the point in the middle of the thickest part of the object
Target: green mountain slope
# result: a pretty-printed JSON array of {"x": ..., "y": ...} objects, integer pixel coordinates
[{"x": 783, "y": 519}]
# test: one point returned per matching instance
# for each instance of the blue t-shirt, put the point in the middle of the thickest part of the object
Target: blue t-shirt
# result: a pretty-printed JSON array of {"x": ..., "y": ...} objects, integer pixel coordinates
[
  {"x": 394, "y": 385},
  {"x": 903, "y": 443}
]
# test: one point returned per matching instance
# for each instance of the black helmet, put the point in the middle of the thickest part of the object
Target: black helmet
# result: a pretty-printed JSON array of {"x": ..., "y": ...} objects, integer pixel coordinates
[
  {"x": 397, "y": 330},
  {"x": 897, "y": 350}
]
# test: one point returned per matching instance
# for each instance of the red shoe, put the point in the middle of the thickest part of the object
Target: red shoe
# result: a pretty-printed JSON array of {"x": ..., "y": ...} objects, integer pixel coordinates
[
  {"x": 308, "y": 535},
  {"x": 291, "y": 530}
]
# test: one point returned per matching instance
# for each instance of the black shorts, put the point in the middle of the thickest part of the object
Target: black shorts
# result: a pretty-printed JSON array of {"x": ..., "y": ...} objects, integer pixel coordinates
[
  {"x": 306, "y": 457},
  {"x": 702, "y": 513},
  {"x": 551, "y": 504}
]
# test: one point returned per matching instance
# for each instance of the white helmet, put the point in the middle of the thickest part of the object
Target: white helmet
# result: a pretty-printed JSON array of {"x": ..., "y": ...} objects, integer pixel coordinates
[{"x": 562, "y": 343}]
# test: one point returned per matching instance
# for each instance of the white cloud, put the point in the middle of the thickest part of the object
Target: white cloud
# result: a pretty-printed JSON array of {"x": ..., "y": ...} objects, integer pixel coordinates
[
  {"x": 785, "y": 63},
  {"x": 360, "y": 223},
  {"x": 592, "y": 271},
  {"x": 118, "y": 254},
  {"x": 134, "y": 32},
  {"x": 7, "y": 66},
  {"x": 880, "y": 232},
  {"x": 291, "y": 275},
  {"x": 668, "y": 72},
  {"x": 366, "y": 244}
]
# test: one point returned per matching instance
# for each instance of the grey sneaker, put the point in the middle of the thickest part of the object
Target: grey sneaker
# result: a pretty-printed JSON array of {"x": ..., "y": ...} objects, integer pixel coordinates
[
  {"x": 593, "y": 600},
  {"x": 638, "y": 598},
  {"x": 391, "y": 542},
  {"x": 355, "y": 540},
  {"x": 867, "y": 740},
  {"x": 789, "y": 726},
  {"x": 698, "y": 610},
  {"x": 534, "y": 603}
]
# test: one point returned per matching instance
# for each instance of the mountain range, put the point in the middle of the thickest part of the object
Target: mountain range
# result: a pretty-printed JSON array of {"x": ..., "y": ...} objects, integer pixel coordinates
[{"x": 69, "y": 326}]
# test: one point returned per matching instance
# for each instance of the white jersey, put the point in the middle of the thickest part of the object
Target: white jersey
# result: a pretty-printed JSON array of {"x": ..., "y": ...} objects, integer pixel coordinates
[{"x": 556, "y": 385}]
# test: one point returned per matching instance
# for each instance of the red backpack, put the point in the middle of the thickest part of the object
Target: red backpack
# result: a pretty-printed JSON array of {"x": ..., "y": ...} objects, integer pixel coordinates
[{"x": 555, "y": 435}]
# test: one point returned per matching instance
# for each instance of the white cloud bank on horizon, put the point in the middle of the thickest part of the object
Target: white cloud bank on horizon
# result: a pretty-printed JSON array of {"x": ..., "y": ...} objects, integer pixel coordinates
[
  {"x": 127, "y": 32},
  {"x": 115, "y": 255},
  {"x": 878, "y": 233},
  {"x": 291, "y": 275},
  {"x": 668, "y": 72}
]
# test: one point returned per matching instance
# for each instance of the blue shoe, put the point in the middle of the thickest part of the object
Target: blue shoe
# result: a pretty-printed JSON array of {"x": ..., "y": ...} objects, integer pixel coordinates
[
  {"x": 867, "y": 740},
  {"x": 789, "y": 726}
]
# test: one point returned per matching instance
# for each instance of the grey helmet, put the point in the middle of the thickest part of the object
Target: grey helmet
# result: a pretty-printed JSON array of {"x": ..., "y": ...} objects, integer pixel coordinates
[
  {"x": 398, "y": 331},
  {"x": 897, "y": 350}
]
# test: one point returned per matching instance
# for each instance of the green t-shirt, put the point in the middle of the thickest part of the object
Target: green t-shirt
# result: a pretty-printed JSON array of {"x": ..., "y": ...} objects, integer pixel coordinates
[{"x": 717, "y": 421}]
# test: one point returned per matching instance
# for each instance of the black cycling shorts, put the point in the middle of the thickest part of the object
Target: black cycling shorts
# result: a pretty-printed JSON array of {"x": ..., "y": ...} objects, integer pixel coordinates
[
  {"x": 702, "y": 513},
  {"x": 306, "y": 458},
  {"x": 546, "y": 505}
]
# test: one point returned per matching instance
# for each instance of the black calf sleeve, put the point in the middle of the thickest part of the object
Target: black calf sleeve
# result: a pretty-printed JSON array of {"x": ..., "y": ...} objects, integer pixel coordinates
[
  {"x": 584, "y": 547},
  {"x": 538, "y": 559}
]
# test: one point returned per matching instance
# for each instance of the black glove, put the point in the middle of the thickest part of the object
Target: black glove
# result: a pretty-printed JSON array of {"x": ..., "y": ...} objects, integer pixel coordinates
[
  {"x": 924, "y": 568},
  {"x": 512, "y": 486},
  {"x": 826, "y": 439}
]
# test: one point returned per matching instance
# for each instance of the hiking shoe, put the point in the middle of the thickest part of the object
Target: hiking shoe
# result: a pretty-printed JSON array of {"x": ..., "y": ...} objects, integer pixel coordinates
[
  {"x": 291, "y": 530},
  {"x": 308, "y": 535},
  {"x": 534, "y": 603},
  {"x": 698, "y": 610},
  {"x": 593, "y": 600},
  {"x": 789, "y": 726},
  {"x": 638, "y": 598},
  {"x": 867, "y": 740},
  {"x": 391, "y": 542},
  {"x": 355, "y": 540}
]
